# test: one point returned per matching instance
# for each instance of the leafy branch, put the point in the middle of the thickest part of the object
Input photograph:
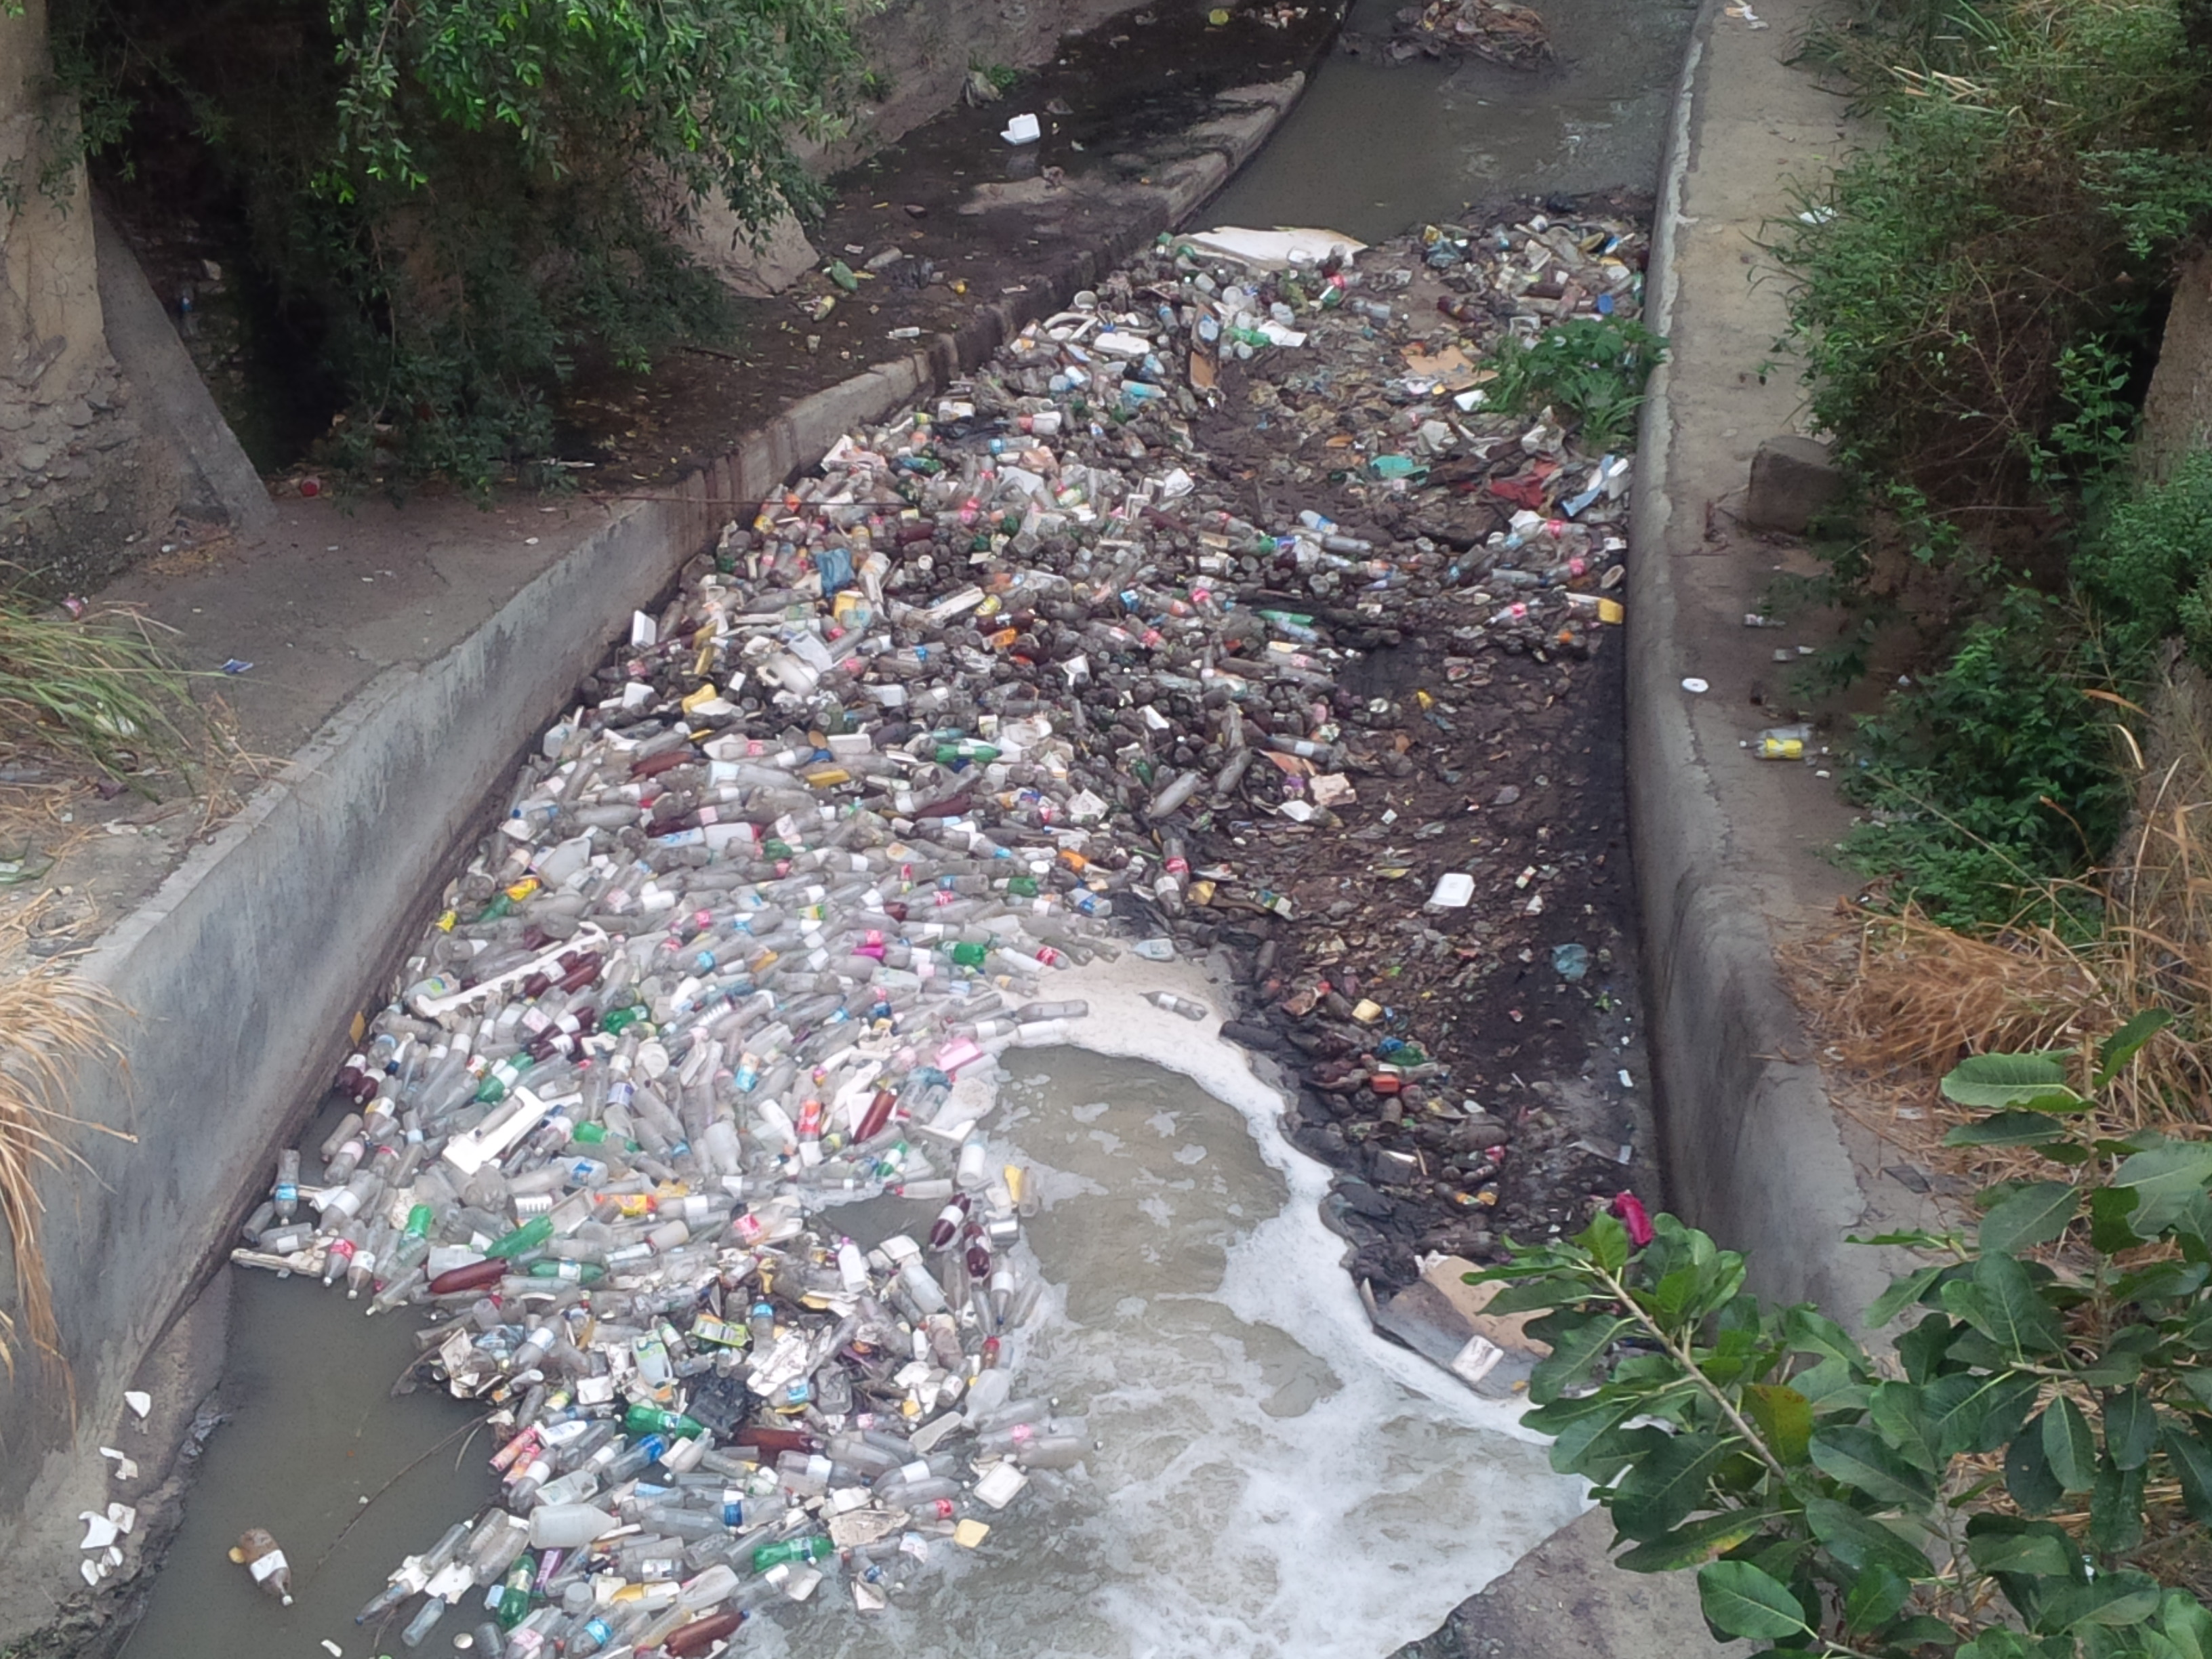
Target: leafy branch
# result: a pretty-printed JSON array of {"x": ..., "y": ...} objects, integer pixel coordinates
[{"x": 1984, "y": 1494}]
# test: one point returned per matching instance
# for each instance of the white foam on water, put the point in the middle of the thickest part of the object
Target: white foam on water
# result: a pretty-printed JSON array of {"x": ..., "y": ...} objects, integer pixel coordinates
[{"x": 1272, "y": 1480}]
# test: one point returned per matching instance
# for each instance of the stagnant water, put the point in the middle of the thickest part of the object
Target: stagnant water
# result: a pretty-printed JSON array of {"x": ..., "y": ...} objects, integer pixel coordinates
[
  {"x": 1271, "y": 1478},
  {"x": 1374, "y": 148}
]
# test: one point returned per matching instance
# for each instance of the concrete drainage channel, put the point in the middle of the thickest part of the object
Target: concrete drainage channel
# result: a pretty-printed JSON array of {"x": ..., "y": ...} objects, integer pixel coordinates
[
  {"x": 298, "y": 851},
  {"x": 243, "y": 967}
]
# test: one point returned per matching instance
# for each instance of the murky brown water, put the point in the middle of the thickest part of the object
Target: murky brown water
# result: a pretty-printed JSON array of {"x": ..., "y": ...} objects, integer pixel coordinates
[
  {"x": 1272, "y": 1478},
  {"x": 1373, "y": 150}
]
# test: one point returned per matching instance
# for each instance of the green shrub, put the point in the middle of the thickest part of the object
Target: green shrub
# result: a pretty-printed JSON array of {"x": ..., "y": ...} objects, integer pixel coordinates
[
  {"x": 1990, "y": 778},
  {"x": 1590, "y": 371},
  {"x": 2006, "y": 1487},
  {"x": 458, "y": 200},
  {"x": 1964, "y": 288},
  {"x": 2148, "y": 569}
]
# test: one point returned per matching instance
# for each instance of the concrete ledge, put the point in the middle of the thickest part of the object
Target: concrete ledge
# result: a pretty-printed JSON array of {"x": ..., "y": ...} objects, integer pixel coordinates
[
  {"x": 242, "y": 969},
  {"x": 1730, "y": 852}
]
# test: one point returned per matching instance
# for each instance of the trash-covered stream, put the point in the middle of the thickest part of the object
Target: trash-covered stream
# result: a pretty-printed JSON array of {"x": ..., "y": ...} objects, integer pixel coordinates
[
  {"x": 1273, "y": 1480},
  {"x": 1219, "y": 669}
]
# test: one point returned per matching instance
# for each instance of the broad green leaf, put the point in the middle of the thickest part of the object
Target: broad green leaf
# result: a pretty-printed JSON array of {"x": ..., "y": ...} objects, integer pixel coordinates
[
  {"x": 2130, "y": 1429},
  {"x": 1917, "y": 1632},
  {"x": 2115, "y": 1508},
  {"x": 1878, "y": 1596},
  {"x": 1857, "y": 1457},
  {"x": 1996, "y": 1644},
  {"x": 1578, "y": 1342},
  {"x": 2165, "y": 1180},
  {"x": 2192, "y": 1227},
  {"x": 2007, "y": 1129},
  {"x": 1527, "y": 1296},
  {"x": 2125, "y": 1044},
  {"x": 1898, "y": 1414},
  {"x": 2118, "y": 1370},
  {"x": 1560, "y": 1414},
  {"x": 1811, "y": 1331},
  {"x": 1739, "y": 1600},
  {"x": 1784, "y": 1416},
  {"x": 1901, "y": 1294},
  {"x": 1927, "y": 1345},
  {"x": 2183, "y": 1621},
  {"x": 2192, "y": 1463},
  {"x": 1692, "y": 1542},
  {"x": 2001, "y": 1302},
  {"x": 2161, "y": 1282},
  {"x": 1977, "y": 1414},
  {"x": 1999, "y": 1080},
  {"x": 2067, "y": 1445},
  {"x": 1598, "y": 1446},
  {"x": 1830, "y": 1386},
  {"x": 1674, "y": 1295},
  {"x": 1662, "y": 1490},
  {"x": 2031, "y": 1215},
  {"x": 1911, "y": 1238},
  {"x": 2034, "y": 1553},
  {"x": 2027, "y": 1473},
  {"x": 1858, "y": 1540},
  {"x": 1607, "y": 1240},
  {"x": 1777, "y": 1558},
  {"x": 2116, "y": 1600}
]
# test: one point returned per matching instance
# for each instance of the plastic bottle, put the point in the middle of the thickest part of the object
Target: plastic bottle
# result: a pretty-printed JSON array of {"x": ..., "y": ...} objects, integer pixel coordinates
[
  {"x": 568, "y": 1526},
  {"x": 800, "y": 1550}
]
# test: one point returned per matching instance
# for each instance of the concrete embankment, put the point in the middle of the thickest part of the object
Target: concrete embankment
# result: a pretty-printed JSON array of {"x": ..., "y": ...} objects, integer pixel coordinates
[
  {"x": 1731, "y": 854},
  {"x": 241, "y": 969}
]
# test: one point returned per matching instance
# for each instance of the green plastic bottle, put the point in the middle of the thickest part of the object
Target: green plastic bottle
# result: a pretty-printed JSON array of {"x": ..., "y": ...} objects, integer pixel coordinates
[
  {"x": 502, "y": 1078},
  {"x": 510, "y": 1603},
  {"x": 791, "y": 1549},
  {"x": 967, "y": 955},
  {"x": 522, "y": 1240},
  {"x": 966, "y": 749},
  {"x": 642, "y": 1419},
  {"x": 1022, "y": 886},
  {"x": 595, "y": 1135}
]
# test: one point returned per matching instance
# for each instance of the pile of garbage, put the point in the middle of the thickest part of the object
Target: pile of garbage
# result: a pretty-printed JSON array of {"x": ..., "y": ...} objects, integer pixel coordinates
[
  {"x": 1498, "y": 30},
  {"x": 1037, "y": 674}
]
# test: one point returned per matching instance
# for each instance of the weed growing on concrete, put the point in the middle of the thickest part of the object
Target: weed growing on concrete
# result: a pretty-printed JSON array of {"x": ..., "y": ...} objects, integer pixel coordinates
[{"x": 1917, "y": 995}]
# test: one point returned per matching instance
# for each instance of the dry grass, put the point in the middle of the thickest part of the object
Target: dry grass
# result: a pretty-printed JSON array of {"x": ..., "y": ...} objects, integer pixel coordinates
[
  {"x": 100, "y": 688},
  {"x": 1901, "y": 997},
  {"x": 51, "y": 1023}
]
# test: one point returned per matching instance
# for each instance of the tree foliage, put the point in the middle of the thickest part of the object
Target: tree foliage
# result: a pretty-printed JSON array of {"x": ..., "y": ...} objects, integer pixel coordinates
[
  {"x": 1992, "y": 1491},
  {"x": 461, "y": 197}
]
